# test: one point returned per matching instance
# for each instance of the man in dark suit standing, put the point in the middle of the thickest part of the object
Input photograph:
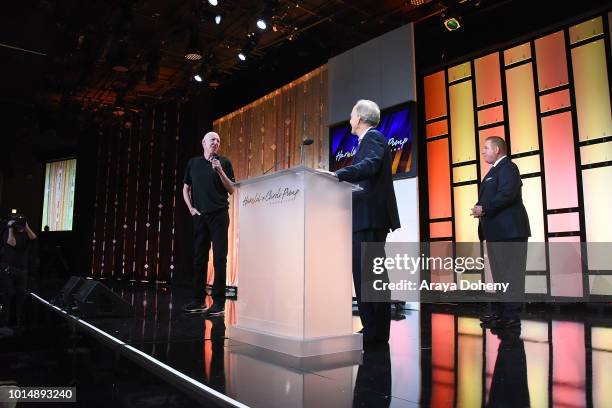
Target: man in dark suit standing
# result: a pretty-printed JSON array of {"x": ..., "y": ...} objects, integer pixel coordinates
[
  {"x": 504, "y": 224},
  {"x": 374, "y": 213}
]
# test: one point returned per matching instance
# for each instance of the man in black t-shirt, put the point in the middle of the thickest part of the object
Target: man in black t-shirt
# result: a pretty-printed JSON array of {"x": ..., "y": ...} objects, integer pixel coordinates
[
  {"x": 16, "y": 242},
  {"x": 208, "y": 181}
]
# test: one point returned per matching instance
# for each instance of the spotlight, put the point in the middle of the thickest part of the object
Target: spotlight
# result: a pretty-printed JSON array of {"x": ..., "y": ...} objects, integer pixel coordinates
[
  {"x": 452, "y": 23},
  {"x": 261, "y": 24},
  {"x": 213, "y": 2},
  {"x": 193, "y": 52},
  {"x": 218, "y": 19},
  {"x": 241, "y": 56},
  {"x": 197, "y": 77}
]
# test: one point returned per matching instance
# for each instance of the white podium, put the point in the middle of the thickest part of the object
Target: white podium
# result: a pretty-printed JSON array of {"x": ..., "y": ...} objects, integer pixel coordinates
[{"x": 294, "y": 264}]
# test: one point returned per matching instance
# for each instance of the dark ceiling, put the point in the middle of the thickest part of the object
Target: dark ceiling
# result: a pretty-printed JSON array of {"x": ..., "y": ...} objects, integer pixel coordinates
[{"x": 104, "y": 53}]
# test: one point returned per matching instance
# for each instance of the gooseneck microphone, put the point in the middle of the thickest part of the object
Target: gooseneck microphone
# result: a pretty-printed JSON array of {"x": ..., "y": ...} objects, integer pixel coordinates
[{"x": 305, "y": 142}]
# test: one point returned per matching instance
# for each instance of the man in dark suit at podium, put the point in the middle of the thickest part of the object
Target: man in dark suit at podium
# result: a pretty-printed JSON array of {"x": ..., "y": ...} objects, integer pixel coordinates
[
  {"x": 504, "y": 224},
  {"x": 374, "y": 211}
]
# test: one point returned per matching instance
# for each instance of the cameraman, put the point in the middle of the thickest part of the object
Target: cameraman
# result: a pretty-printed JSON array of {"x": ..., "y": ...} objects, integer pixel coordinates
[{"x": 16, "y": 241}]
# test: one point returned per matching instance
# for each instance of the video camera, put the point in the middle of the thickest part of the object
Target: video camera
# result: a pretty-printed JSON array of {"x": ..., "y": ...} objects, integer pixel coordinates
[{"x": 17, "y": 220}]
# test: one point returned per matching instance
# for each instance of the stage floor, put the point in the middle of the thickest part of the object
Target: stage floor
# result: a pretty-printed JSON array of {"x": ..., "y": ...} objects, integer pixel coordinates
[{"x": 438, "y": 356}]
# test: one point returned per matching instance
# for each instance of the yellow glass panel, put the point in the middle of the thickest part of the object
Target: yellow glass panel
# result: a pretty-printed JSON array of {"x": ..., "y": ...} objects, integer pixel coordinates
[
  {"x": 597, "y": 204},
  {"x": 528, "y": 164},
  {"x": 601, "y": 338},
  {"x": 600, "y": 285},
  {"x": 470, "y": 277},
  {"x": 469, "y": 367},
  {"x": 517, "y": 54},
  {"x": 592, "y": 91},
  {"x": 596, "y": 153},
  {"x": 535, "y": 284},
  {"x": 602, "y": 378},
  {"x": 459, "y": 72},
  {"x": 521, "y": 109},
  {"x": 585, "y": 30},
  {"x": 533, "y": 331},
  {"x": 462, "y": 122},
  {"x": 467, "y": 325},
  {"x": 537, "y": 355},
  {"x": 466, "y": 226},
  {"x": 532, "y": 199},
  {"x": 464, "y": 173}
]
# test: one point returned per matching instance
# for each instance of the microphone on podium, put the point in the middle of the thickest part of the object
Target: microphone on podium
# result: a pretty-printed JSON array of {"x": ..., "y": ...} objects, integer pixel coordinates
[{"x": 305, "y": 142}]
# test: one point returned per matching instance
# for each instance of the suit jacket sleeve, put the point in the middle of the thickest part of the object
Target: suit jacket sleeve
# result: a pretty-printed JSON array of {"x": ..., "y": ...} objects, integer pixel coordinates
[
  {"x": 508, "y": 190},
  {"x": 369, "y": 165}
]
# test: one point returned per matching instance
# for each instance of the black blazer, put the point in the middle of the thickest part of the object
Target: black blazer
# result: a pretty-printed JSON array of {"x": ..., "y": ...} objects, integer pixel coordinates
[
  {"x": 500, "y": 196},
  {"x": 375, "y": 206}
]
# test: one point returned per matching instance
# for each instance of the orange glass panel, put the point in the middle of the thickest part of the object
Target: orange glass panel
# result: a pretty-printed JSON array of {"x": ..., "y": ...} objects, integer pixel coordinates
[
  {"x": 482, "y": 136},
  {"x": 559, "y": 161},
  {"x": 442, "y": 360},
  {"x": 517, "y": 54},
  {"x": 441, "y": 250},
  {"x": 490, "y": 115},
  {"x": 569, "y": 364},
  {"x": 488, "y": 79},
  {"x": 462, "y": 122},
  {"x": 459, "y": 72},
  {"x": 437, "y": 128},
  {"x": 565, "y": 266},
  {"x": 466, "y": 226},
  {"x": 438, "y": 179},
  {"x": 521, "y": 109},
  {"x": 435, "y": 96},
  {"x": 592, "y": 90},
  {"x": 553, "y": 101},
  {"x": 563, "y": 222},
  {"x": 441, "y": 229},
  {"x": 551, "y": 60},
  {"x": 585, "y": 30}
]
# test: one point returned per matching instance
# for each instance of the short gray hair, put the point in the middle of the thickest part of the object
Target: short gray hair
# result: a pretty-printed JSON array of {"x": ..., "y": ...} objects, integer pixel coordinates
[
  {"x": 368, "y": 111},
  {"x": 499, "y": 142},
  {"x": 211, "y": 134}
]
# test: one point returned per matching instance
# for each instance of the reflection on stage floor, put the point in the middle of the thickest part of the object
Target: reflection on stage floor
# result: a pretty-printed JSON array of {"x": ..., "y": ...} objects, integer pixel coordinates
[{"x": 438, "y": 356}]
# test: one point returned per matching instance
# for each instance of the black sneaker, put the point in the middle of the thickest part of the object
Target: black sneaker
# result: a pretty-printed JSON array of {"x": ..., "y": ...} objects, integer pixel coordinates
[
  {"x": 215, "y": 311},
  {"x": 194, "y": 307}
]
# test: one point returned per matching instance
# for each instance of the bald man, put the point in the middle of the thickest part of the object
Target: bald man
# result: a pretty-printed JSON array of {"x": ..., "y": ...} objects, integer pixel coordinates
[{"x": 208, "y": 181}]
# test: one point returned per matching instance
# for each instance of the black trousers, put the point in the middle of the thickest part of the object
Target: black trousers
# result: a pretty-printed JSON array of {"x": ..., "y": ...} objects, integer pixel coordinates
[
  {"x": 375, "y": 316},
  {"x": 210, "y": 229},
  {"x": 508, "y": 261},
  {"x": 13, "y": 282}
]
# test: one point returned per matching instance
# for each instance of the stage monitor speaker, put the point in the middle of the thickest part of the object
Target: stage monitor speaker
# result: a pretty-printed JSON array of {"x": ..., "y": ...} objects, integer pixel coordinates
[
  {"x": 68, "y": 291},
  {"x": 93, "y": 299}
]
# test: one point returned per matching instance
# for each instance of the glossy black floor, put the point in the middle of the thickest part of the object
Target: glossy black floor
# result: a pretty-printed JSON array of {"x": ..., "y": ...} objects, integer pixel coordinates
[{"x": 438, "y": 356}]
